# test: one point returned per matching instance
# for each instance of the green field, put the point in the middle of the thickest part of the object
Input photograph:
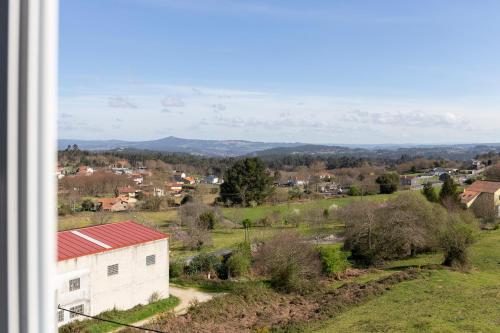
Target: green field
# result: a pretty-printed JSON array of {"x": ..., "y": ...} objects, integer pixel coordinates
[
  {"x": 256, "y": 213},
  {"x": 444, "y": 301},
  {"x": 223, "y": 237}
]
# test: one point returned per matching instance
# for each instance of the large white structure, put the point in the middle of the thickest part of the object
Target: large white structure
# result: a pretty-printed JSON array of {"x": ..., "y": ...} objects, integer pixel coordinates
[{"x": 117, "y": 265}]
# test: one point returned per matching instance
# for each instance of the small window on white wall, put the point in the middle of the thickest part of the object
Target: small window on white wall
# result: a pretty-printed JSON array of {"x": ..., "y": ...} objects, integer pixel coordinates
[
  {"x": 76, "y": 311},
  {"x": 74, "y": 284},
  {"x": 150, "y": 260},
  {"x": 113, "y": 269},
  {"x": 60, "y": 316}
]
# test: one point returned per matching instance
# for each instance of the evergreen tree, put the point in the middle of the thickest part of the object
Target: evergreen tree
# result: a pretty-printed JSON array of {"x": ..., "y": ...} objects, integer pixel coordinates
[
  {"x": 430, "y": 193},
  {"x": 389, "y": 183},
  {"x": 245, "y": 181},
  {"x": 449, "y": 190}
]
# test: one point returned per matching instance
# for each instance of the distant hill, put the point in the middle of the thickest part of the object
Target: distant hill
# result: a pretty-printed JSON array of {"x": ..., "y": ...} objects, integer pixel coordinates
[
  {"x": 231, "y": 148},
  {"x": 454, "y": 152},
  {"x": 221, "y": 148}
]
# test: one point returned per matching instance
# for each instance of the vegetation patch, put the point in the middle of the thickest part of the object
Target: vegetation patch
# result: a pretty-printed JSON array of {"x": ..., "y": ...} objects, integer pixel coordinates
[
  {"x": 256, "y": 307},
  {"x": 130, "y": 316}
]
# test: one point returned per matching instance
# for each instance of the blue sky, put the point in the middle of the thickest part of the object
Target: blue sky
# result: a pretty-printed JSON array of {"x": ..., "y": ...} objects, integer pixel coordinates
[{"x": 310, "y": 71}]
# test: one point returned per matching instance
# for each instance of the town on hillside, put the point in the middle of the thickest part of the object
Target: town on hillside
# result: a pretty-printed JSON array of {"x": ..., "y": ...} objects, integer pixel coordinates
[{"x": 136, "y": 228}]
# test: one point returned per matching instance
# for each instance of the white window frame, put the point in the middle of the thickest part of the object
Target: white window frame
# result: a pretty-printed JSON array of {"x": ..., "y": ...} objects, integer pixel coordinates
[{"x": 28, "y": 109}]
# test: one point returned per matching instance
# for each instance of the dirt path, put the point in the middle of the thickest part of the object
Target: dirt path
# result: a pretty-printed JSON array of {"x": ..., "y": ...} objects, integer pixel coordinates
[{"x": 186, "y": 296}]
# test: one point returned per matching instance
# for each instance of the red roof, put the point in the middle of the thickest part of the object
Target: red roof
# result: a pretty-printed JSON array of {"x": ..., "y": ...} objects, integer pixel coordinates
[
  {"x": 107, "y": 237},
  {"x": 484, "y": 187},
  {"x": 127, "y": 189}
]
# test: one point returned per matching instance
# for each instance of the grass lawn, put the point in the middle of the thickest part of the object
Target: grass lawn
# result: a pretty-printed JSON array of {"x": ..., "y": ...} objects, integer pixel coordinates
[
  {"x": 256, "y": 213},
  {"x": 131, "y": 316},
  {"x": 444, "y": 301}
]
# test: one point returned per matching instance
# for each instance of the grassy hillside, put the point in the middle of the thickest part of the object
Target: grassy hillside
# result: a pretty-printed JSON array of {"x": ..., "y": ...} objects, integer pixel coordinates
[{"x": 445, "y": 301}]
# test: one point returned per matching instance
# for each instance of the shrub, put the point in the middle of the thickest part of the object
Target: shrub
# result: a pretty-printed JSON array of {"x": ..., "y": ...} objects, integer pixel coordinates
[
  {"x": 238, "y": 264},
  {"x": 398, "y": 228},
  {"x": 291, "y": 263},
  {"x": 354, "y": 191},
  {"x": 64, "y": 209},
  {"x": 430, "y": 193},
  {"x": 240, "y": 260},
  {"x": 208, "y": 220},
  {"x": 176, "y": 268},
  {"x": 455, "y": 241},
  {"x": 154, "y": 297},
  {"x": 334, "y": 260},
  {"x": 87, "y": 205},
  {"x": 204, "y": 263}
]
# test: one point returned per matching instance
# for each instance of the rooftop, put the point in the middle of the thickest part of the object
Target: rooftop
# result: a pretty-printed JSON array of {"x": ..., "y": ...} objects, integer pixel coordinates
[
  {"x": 107, "y": 237},
  {"x": 484, "y": 187}
]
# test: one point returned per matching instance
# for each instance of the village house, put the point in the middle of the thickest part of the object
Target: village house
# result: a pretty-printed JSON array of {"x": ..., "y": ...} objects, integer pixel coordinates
[
  {"x": 128, "y": 191},
  {"x": 137, "y": 178},
  {"x": 483, "y": 197},
  {"x": 110, "y": 266},
  {"x": 60, "y": 172},
  {"x": 408, "y": 180},
  {"x": 211, "y": 179},
  {"x": 189, "y": 180},
  {"x": 112, "y": 204},
  {"x": 85, "y": 171},
  {"x": 174, "y": 188}
]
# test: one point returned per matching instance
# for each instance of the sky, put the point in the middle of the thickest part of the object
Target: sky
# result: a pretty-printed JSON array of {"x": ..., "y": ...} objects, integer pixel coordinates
[{"x": 331, "y": 72}]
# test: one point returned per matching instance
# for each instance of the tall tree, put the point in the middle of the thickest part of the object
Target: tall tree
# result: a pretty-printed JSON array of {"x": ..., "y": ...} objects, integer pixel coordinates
[
  {"x": 245, "y": 181},
  {"x": 448, "y": 190},
  {"x": 389, "y": 183},
  {"x": 430, "y": 193}
]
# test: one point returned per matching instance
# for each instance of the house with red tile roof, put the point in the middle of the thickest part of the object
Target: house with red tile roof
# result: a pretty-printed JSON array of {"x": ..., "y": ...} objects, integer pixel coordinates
[
  {"x": 110, "y": 266},
  {"x": 112, "y": 204},
  {"x": 483, "y": 197}
]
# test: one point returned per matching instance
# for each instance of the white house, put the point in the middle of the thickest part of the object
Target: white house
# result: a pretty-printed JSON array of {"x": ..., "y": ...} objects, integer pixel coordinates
[{"x": 117, "y": 265}]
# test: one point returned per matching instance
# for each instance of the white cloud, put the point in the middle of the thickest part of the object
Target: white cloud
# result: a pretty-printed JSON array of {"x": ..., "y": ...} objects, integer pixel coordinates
[
  {"x": 197, "y": 112},
  {"x": 121, "y": 102}
]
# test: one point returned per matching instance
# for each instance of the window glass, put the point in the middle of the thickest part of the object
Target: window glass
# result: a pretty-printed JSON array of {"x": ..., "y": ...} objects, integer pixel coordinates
[
  {"x": 60, "y": 316},
  {"x": 150, "y": 260},
  {"x": 74, "y": 284},
  {"x": 78, "y": 309},
  {"x": 113, "y": 269}
]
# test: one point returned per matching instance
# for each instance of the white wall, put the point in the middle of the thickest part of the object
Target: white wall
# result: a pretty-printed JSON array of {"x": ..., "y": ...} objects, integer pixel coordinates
[{"x": 134, "y": 283}]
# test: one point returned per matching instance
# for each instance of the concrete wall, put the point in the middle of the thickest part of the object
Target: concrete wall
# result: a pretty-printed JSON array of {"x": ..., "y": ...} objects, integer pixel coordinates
[{"x": 134, "y": 283}]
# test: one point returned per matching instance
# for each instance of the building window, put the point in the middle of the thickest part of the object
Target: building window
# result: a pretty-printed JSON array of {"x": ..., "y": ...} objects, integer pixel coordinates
[
  {"x": 74, "y": 284},
  {"x": 150, "y": 260},
  {"x": 113, "y": 269},
  {"x": 60, "y": 316},
  {"x": 76, "y": 311}
]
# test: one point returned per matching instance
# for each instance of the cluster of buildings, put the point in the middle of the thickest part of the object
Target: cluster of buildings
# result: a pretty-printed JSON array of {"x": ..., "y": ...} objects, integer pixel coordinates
[{"x": 111, "y": 266}]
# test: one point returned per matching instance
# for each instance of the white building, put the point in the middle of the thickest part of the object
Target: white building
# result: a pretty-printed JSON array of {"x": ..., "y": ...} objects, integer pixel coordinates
[{"x": 117, "y": 265}]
